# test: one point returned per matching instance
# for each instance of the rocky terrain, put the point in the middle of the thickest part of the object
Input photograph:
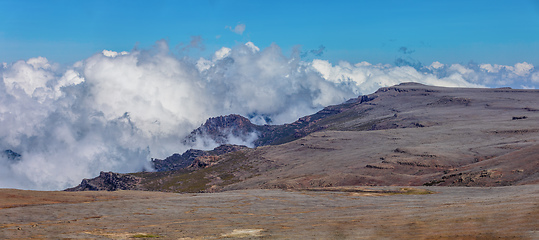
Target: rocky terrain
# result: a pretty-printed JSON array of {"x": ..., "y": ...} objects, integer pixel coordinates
[
  {"x": 219, "y": 128},
  {"x": 409, "y": 134},
  {"x": 356, "y": 213},
  {"x": 180, "y": 161},
  {"x": 108, "y": 181}
]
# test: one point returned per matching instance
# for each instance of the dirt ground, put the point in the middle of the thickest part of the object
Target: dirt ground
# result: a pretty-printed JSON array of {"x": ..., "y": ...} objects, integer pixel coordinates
[{"x": 449, "y": 213}]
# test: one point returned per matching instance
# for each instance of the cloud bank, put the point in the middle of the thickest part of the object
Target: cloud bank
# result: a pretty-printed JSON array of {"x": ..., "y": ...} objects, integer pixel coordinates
[{"x": 114, "y": 111}]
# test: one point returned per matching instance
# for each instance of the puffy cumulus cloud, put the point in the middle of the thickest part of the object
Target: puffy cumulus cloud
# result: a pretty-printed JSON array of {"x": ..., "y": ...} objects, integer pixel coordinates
[
  {"x": 523, "y": 69},
  {"x": 436, "y": 65},
  {"x": 535, "y": 77},
  {"x": 491, "y": 75},
  {"x": 60, "y": 139},
  {"x": 251, "y": 46},
  {"x": 364, "y": 78},
  {"x": 252, "y": 82},
  {"x": 29, "y": 76},
  {"x": 114, "y": 111},
  {"x": 519, "y": 69},
  {"x": 159, "y": 93},
  {"x": 222, "y": 53}
]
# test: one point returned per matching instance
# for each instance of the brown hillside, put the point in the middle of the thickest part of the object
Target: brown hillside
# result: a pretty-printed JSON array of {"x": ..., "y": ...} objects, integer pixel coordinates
[{"x": 410, "y": 134}]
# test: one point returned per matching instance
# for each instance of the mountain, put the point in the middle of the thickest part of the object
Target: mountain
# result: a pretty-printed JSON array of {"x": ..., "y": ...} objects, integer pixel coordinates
[
  {"x": 10, "y": 155},
  {"x": 219, "y": 129},
  {"x": 409, "y": 134}
]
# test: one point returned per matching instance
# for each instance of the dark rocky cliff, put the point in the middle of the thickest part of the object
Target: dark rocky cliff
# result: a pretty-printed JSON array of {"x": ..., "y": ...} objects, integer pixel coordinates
[{"x": 108, "y": 181}]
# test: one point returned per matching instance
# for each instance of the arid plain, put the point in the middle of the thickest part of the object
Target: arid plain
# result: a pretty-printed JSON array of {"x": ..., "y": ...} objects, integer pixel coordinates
[{"x": 448, "y": 213}]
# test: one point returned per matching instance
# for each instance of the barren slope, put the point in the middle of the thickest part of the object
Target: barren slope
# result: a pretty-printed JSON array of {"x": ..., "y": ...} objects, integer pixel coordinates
[
  {"x": 410, "y": 134},
  {"x": 417, "y": 135}
]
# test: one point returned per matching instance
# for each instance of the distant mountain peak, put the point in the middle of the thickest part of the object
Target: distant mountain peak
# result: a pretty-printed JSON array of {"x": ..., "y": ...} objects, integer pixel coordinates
[
  {"x": 222, "y": 128},
  {"x": 11, "y": 155}
]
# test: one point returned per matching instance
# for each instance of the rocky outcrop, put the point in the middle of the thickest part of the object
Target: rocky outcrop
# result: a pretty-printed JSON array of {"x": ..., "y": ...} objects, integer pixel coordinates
[
  {"x": 219, "y": 129},
  {"x": 10, "y": 155},
  {"x": 177, "y": 161},
  {"x": 108, "y": 181},
  {"x": 226, "y": 148},
  {"x": 203, "y": 162},
  {"x": 180, "y": 161}
]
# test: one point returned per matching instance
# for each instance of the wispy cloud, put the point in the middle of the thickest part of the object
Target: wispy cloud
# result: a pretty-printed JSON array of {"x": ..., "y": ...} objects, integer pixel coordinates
[
  {"x": 405, "y": 50},
  {"x": 196, "y": 42},
  {"x": 315, "y": 52},
  {"x": 239, "y": 29}
]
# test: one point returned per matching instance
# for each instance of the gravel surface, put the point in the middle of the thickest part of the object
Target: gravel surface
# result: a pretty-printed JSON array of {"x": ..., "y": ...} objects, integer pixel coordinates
[{"x": 450, "y": 213}]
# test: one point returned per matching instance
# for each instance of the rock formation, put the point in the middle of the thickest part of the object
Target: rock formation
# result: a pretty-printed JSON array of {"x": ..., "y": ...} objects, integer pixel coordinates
[{"x": 108, "y": 181}]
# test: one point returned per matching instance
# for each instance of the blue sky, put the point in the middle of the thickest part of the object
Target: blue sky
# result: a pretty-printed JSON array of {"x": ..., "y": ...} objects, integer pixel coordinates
[{"x": 501, "y": 32}]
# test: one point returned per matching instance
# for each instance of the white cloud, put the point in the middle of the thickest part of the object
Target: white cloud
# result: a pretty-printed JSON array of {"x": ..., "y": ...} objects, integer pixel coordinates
[
  {"x": 28, "y": 76},
  {"x": 460, "y": 69},
  {"x": 363, "y": 64},
  {"x": 491, "y": 68},
  {"x": 203, "y": 64},
  {"x": 252, "y": 47},
  {"x": 519, "y": 69},
  {"x": 39, "y": 62},
  {"x": 221, "y": 53},
  {"x": 535, "y": 77},
  {"x": 436, "y": 65},
  {"x": 365, "y": 78},
  {"x": 492, "y": 75},
  {"x": 109, "y": 53},
  {"x": 522, "y": 69}
]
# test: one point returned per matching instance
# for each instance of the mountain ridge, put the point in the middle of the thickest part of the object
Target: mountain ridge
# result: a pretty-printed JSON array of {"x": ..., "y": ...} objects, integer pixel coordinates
[{"x": 408, "y": 134}]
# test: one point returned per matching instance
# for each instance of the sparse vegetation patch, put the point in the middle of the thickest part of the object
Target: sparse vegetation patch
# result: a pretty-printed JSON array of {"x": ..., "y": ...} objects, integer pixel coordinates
[{"x": 146, "y": 236}]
